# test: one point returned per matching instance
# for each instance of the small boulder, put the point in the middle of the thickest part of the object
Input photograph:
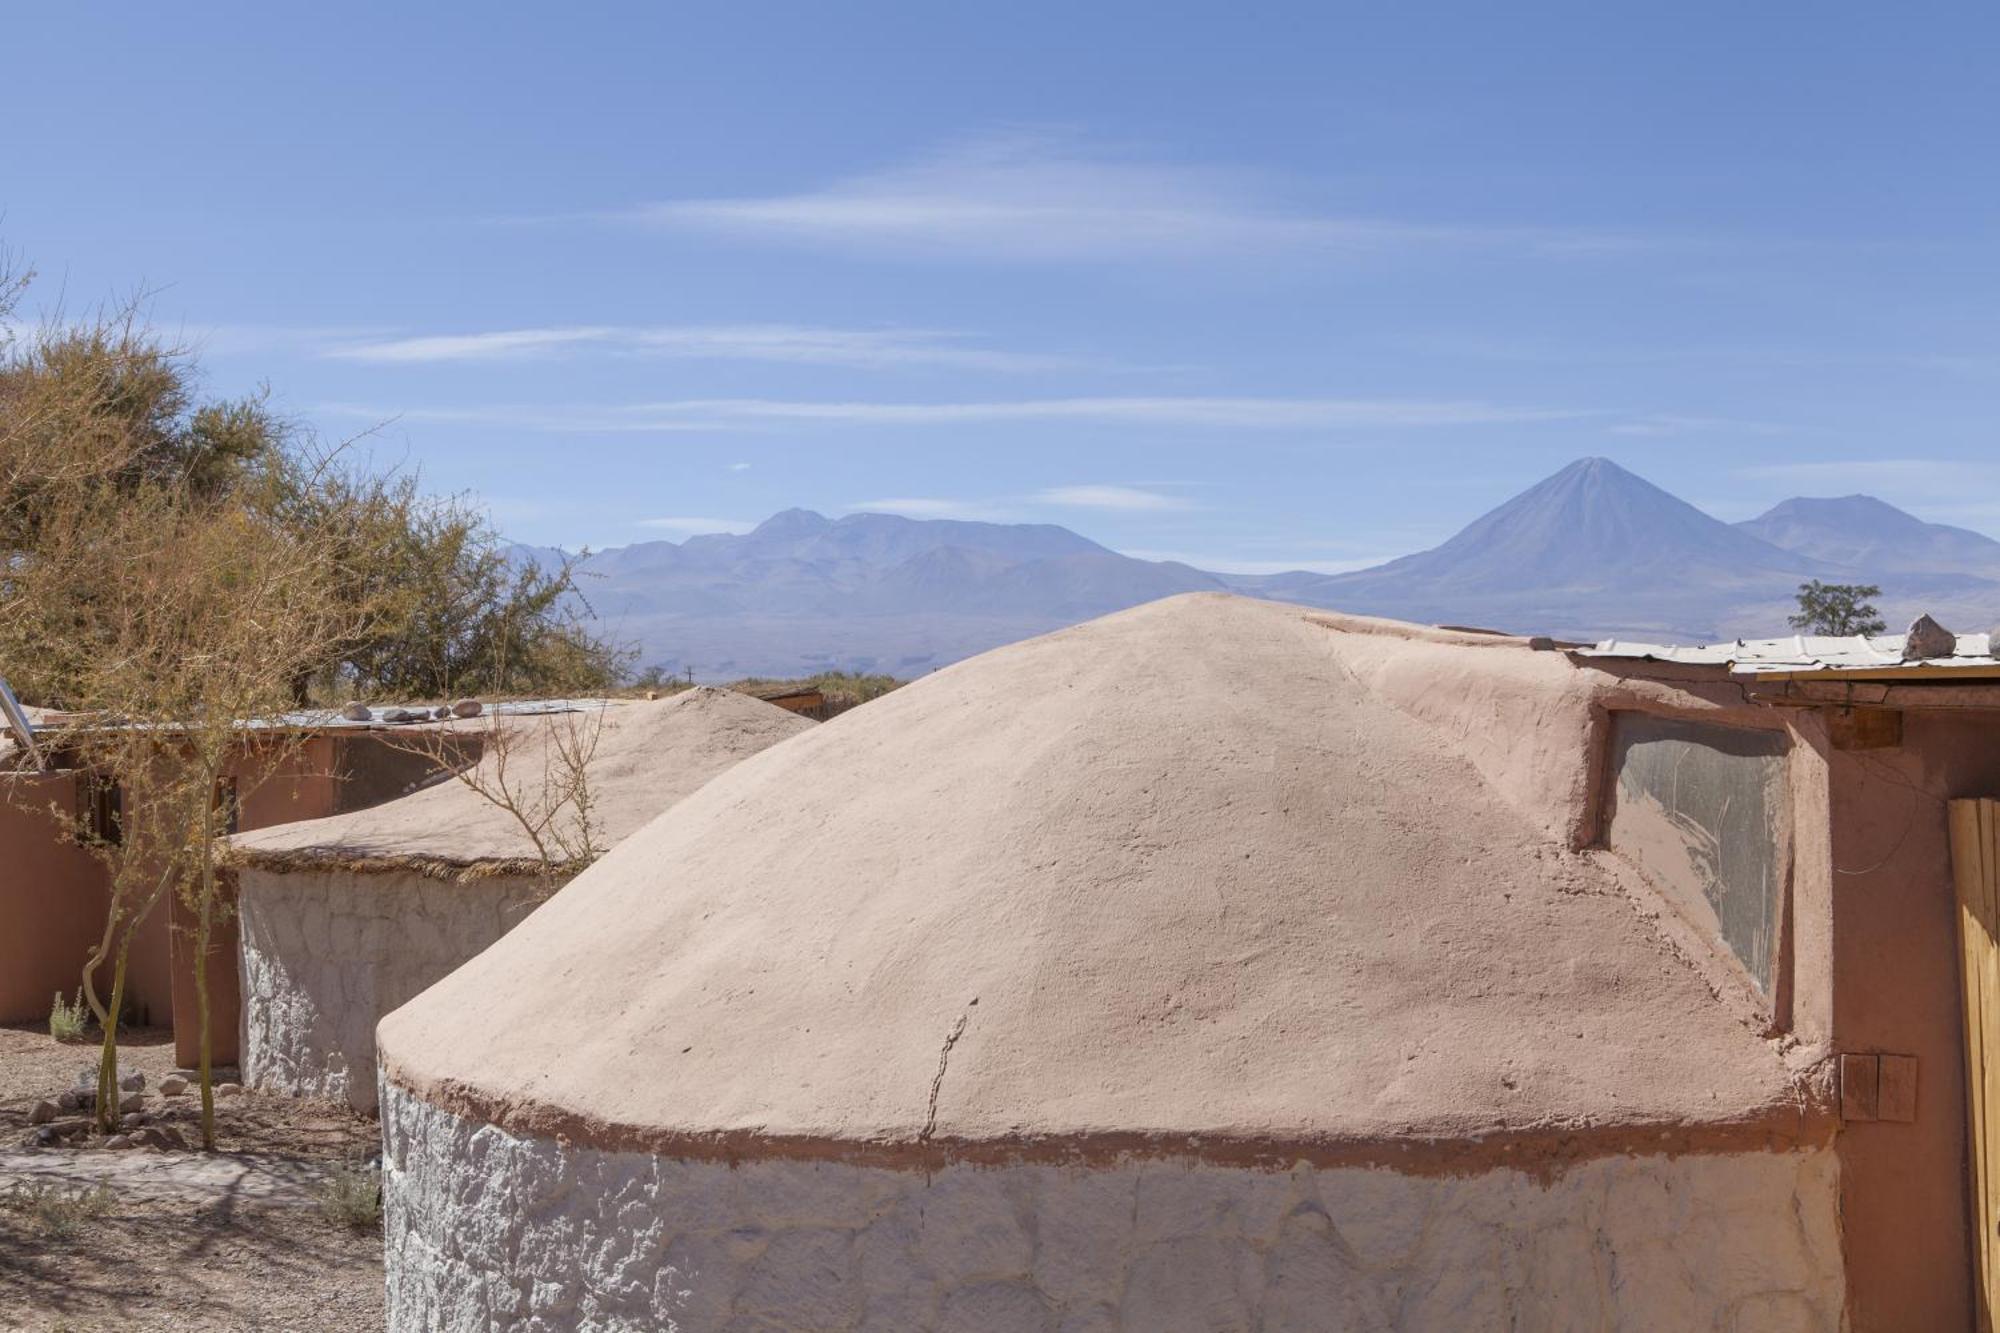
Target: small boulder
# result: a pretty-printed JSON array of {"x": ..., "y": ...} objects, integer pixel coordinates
[
  {"x": 173, "y": 1085},
  {"x": 131, "y": 1101},
  {"x": 78, "y": 1099},
  {"x": 133, "y": 1082},
  {"x": 119, "y": 1141},
  {"x": 228, "y": 1089},
  {"x": 45, "y": 1137},
  {"x": 441, "y": 712},
  {"x": 43, "y": 1112},
  {"x": 1927, "y": 640},
  {"x": 357, "y": 713},
  {"x": 466, "y": 708},
  {"x": 162, "y": 1136}
]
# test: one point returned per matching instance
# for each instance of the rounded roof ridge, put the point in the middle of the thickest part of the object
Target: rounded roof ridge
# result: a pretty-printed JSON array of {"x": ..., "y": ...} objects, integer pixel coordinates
[{"x": 1188, "y": 874}]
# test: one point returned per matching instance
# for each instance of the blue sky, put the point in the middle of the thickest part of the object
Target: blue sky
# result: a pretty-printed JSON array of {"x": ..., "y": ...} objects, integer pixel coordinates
[{"x": 1254, "y": 286}]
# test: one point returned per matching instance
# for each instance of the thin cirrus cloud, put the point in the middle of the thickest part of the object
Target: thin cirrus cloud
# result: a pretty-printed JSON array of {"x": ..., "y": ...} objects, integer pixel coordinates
[
  {"x": 790, "y": 344},
  {"x": 1220, "y": 564},
  {"x": 1227, "y": 413},
  {"x": 1663, "y": 424},
  {"x": 1036, "y": 198},
  {"x": 919, "y": 506},
  {"x": 1117, "y": 499},
  {"x": 691, "y": 526}
]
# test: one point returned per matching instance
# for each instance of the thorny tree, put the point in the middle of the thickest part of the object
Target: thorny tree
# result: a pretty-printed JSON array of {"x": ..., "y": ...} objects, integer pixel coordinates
[
  {"x": 202, "y": 614},
  {"x": 173, "y": 570},
  {"x": 534, "y": 768}
]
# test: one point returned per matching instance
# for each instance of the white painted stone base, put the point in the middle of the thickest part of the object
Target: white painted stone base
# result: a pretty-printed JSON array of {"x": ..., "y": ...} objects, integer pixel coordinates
[
  {"x": 327, "y": 954},
  {"x": 485, "y": 1230}
]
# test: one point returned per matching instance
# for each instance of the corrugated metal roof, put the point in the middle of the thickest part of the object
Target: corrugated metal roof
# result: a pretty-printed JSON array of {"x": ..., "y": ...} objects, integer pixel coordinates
[
  {"x": 1808, "y": 653},
  {"x": 330, "y": 719},
  {"x": 314, "y": 719}
]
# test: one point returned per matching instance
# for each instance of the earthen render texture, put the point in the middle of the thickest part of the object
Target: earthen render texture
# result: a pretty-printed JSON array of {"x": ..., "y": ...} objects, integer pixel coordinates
[
  {"x": 1179, "y": 956},
  {"x": 487, "y": 1230},
  {"x": 1210, "y": 866},
  {"x": 643, "y": 756},
  {"x": 345, "y": 918},
  {"x": 326, "y": 953}
]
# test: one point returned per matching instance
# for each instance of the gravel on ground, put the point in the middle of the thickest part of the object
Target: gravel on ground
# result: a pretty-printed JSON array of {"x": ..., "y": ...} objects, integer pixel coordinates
[{"x": 142, "y": 1238}]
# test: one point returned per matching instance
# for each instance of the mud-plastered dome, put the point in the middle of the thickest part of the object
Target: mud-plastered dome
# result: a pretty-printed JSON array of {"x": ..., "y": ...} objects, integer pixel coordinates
[{"x": 1215, "y": 887}]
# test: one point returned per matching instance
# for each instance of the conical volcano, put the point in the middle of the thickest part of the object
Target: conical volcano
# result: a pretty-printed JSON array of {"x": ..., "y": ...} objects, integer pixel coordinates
[{"x": 1592, "y": 550}]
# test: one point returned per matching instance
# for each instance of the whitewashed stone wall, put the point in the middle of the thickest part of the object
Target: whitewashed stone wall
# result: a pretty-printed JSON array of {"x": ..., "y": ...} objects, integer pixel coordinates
[
  {"x": 485, "y": 1230},
  {"x": 327, "y": 954}
]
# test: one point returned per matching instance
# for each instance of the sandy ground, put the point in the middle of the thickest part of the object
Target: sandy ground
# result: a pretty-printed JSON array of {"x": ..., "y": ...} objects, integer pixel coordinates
[{"x": 188, "y": 1240}]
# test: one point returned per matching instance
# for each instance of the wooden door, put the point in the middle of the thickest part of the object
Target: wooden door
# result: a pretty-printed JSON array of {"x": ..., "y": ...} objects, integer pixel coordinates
[{"x": 1975, "y": 855}]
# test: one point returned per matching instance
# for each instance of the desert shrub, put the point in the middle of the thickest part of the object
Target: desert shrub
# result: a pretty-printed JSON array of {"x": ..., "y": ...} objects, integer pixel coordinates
[
  {"x": 57, "y": 1211},
  {"x": 69, "y": 1020},
  {"x": 843, "y": 689},
  {"x": 352, "y": 1196}
]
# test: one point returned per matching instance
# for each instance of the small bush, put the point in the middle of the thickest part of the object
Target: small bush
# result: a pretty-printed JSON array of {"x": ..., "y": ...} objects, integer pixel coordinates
[
  {"x": 58, "y": 1212},
  {"x": 68, "y": 1020},
  {"x": 352, "y": 1196}
]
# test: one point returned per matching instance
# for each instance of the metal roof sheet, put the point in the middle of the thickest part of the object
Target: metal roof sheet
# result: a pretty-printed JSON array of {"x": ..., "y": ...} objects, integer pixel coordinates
[
  {"x": 330, "y": 719},
  {"x": 1803, "y": 653}
]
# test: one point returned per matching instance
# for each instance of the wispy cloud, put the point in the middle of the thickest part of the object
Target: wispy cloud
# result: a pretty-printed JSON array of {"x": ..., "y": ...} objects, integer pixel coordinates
[
  {"x": 930, "y": 507},
  {"x": 693, "y": 526},
  {"x": 739, "y": 467},
  {"x": 1026, "y": 197},
  {"x": 500, "y": 345},
  {"x": 1663, "y": 424},
  {"x": 792, "y": 344},
  {"x": 1127, "y": 499},
  {"x": 225, "y": 340},
  {"x": 1222, "y": 564},
  {"x": 698, "y": 414}
]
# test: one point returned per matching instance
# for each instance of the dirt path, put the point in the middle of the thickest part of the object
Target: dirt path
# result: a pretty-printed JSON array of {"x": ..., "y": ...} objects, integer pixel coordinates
[
  {"x": 233, "y": 1240},
  {"x": 230, "y": 1265},
  {"x": 185, "y": 1178}
]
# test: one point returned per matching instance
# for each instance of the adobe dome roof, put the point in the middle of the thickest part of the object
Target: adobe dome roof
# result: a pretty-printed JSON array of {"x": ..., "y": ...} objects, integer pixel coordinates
[
  {"x": 1200, "y": 877},
  {"x": 644, "y": 756}
]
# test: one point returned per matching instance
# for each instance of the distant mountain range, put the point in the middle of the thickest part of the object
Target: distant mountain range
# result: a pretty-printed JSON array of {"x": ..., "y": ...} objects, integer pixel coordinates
[{"x": 1589, "y": 552}]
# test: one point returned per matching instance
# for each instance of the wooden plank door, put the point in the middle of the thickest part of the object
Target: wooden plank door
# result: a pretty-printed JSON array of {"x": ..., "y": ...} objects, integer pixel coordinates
[{"x": 1975, "y": 855}]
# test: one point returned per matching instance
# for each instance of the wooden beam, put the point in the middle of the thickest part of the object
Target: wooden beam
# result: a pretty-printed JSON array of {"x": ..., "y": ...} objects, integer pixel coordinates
[
  {"x": 1918, "y": 672},
  {"x": 1975, "y": 868}
]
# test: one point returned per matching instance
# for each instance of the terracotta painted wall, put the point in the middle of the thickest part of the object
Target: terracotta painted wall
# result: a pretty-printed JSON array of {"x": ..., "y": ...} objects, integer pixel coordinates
[
  {"x": 328, "y": 775},
  {"x": 300, "y": 785},
  {"x": 1904, "y": 1197},
  {"x": 52, "y": 897},
  {"x": 149, "y": 972},
  {"x": 369, "y": 770}
]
